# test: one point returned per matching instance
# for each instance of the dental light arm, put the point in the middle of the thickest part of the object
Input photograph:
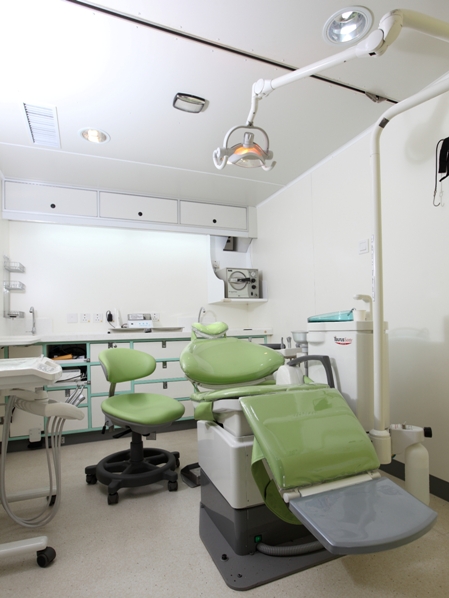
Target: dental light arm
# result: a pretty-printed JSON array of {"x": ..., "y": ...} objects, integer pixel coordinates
[{"x": 375, "y": 44}]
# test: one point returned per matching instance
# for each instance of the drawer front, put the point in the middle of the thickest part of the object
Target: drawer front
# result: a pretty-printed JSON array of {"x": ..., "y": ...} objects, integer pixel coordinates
[
  {"x": 162, "y": 349},
  {"x": 99, "y": 384},
  {"x": 46, "y": 199},
  {"x": 168, "y": 369},
  {"x": 97, "y": 348},
  {"x": 136, "y": 207},
  {"x": 203, "y": 214},
  {"x": 176, "y": 389}
]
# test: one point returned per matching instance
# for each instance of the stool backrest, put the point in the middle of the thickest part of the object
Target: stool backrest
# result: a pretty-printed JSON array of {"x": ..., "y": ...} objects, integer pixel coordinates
[{"x": 122, "y": 365}]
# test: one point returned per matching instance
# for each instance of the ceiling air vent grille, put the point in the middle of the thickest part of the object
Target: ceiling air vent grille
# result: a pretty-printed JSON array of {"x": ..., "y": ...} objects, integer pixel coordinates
[{"x": 43, "y": 123}]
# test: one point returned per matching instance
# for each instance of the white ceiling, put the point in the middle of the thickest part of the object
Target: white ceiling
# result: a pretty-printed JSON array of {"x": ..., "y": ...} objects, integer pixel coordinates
[{"x": 121, "y": 76}]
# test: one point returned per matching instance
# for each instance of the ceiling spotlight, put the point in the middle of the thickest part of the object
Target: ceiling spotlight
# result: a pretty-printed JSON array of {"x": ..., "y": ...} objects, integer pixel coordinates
[
  {"x": 347, "y": 25},
  {"x": 189, "y": 103},
  {"x": 247, "y": 154},
  {"x": 94, "y": 135}
]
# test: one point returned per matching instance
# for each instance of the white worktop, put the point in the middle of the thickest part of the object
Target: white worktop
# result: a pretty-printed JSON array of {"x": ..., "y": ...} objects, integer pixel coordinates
[{"x": 9, "y": 341}]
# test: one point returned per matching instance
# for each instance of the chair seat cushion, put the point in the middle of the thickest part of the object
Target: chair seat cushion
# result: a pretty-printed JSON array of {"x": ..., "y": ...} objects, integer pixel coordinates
[{"x": 143, "y": 408}]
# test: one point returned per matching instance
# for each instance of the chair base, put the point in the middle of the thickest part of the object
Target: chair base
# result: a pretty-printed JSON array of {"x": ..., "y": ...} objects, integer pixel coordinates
[{"x": 134, "y": 467}]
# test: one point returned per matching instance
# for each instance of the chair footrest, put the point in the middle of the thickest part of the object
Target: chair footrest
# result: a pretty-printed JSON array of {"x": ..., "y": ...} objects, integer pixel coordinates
[{"x": 368, "y": 517}]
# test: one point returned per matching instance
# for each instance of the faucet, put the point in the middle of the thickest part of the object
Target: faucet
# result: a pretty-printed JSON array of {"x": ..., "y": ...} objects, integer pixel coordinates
[
  {"x": 33, "y": 328},
  {"x": 201, "y": 314}
]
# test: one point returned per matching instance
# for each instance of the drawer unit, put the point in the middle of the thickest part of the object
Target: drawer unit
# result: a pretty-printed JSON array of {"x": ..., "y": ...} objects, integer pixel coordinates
[{"x": 167, "y": 379}]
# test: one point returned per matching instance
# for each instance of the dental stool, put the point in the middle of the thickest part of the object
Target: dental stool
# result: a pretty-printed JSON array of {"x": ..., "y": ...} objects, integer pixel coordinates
[
  {"x": 287, "y": 470},
  {"x": 142, "y": 414}
]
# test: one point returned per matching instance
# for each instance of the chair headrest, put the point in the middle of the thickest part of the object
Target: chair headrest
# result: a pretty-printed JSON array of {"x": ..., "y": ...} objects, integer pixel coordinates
[{"x": 211, "y": 331}]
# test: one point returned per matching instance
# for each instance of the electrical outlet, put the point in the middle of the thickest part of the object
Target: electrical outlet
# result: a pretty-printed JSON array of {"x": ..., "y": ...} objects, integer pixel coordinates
[
  {"x": 156, "y": 316},
  {"x": 72, "y": 318},
  {"x": 98, "y": 317},
  {"x": 85, "y": 318}
]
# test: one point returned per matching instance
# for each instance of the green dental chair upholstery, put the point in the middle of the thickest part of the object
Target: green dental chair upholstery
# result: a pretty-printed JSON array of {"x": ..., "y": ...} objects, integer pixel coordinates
[{"x": 142, "y": 414}]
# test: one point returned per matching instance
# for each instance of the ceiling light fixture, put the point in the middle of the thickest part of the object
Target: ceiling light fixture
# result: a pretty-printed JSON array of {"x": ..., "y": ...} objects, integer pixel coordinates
[
  {"x": 94, "y": 135},
  {"x": 348, "y": 25},
  {"x": 247, "y": 154},
  {"x": 189, "y": 103}
]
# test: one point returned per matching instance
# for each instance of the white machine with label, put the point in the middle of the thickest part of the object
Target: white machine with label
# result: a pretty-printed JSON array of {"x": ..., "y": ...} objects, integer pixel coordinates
[
  {"x": 22, "y": 382},
  {"x": 350, "y": 348}
]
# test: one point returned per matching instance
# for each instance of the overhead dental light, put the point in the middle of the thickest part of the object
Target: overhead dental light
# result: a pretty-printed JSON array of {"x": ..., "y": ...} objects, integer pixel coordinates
[
  {"x": 347, "y": 25},
  {"x": 247, "y": 154}
]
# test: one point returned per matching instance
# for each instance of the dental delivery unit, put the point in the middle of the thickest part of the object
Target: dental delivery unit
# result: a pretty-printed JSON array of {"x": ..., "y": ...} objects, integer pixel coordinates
[{"x": 22, "y": 382}]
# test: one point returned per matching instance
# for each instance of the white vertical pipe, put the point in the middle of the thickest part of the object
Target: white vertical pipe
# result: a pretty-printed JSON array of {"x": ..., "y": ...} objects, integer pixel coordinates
[{"x": 381, "y": 391}]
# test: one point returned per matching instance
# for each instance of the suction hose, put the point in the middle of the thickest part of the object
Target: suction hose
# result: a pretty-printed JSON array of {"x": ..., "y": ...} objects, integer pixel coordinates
[{"x": 289, "y": 550}]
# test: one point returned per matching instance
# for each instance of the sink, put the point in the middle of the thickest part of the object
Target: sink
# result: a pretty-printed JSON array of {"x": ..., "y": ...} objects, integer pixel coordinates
[{"x": 24, "y": 339}]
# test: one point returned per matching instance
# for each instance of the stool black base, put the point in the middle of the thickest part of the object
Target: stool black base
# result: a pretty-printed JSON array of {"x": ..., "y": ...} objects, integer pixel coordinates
[{"x": 134, "y": 467}]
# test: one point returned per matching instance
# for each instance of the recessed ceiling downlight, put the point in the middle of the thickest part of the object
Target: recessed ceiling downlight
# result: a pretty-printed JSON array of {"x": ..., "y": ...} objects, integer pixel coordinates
[
  {"x": 348, "y": 25},
  {"x": 94, "y": 135}
]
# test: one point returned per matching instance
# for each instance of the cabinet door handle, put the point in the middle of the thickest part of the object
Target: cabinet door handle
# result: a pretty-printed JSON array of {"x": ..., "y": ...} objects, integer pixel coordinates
[{"x": 52, "y": 205}]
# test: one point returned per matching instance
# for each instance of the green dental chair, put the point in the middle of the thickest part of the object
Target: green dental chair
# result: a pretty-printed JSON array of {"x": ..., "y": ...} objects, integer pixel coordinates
[
  {"x": 142, "y": 414},
  {"x": 287, "y": 470}
]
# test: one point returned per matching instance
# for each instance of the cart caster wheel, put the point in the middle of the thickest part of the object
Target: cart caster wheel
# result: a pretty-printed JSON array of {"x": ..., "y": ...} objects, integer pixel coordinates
[
  {"x": 172, "y": 486},
  {"x": 113, "y": 498},
  {"x": 91, "y": 478},
  {"x": 45, "y": 556}
]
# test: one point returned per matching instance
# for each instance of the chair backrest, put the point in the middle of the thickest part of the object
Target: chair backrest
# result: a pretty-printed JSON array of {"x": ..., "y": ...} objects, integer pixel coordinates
[
  {"x": 228, "y": 361},
  {"x": 122, "y": 365}
]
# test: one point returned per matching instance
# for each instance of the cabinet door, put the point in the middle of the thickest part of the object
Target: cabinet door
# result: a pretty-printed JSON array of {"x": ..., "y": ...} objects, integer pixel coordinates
[
  {"x": 46, "y": 199},
  {"x": 22, "y": 422},
  {"x": 137, "y": 207},
  {"x": 210, "y": 215}
]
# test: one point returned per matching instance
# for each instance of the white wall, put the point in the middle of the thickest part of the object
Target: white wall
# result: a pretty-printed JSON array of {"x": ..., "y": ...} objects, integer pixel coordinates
[
  {"x": 308, "y": 250},
  {"x": 73, "y": 269},
  {"x": 4, "y": 248}
]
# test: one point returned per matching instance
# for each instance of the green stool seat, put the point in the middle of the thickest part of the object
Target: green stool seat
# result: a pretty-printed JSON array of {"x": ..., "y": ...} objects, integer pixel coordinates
[
  {"x": 142, "y": 414},
  {"x": 143, "y": 408}
]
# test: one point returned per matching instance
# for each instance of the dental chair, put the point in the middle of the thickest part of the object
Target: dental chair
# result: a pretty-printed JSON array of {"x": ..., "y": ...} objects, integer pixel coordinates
[
  {"x": 286, "y": 469},
  {"x": 142, "y": 414}
]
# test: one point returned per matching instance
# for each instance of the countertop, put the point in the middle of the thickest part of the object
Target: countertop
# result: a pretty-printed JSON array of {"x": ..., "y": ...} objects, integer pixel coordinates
[{"x": 10, "y": 341}]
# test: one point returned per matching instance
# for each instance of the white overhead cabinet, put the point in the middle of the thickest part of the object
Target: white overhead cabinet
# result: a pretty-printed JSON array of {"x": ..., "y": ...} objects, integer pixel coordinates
[
  {"x": 137, "y": 207},
  {"x": 47, "y": 199},
  {"x": 93, "y": 207},
  {"x": 211, "y": 215}
]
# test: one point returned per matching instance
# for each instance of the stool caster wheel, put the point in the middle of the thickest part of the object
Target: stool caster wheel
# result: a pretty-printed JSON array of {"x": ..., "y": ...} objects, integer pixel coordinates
[
  {"x": 178, "y": 463},
  {"x": 91, "y": 478},
  {"x": 45, "y": 556},
  {"x": 172, "y": 486},
  {"x": 113, "y": 498}
]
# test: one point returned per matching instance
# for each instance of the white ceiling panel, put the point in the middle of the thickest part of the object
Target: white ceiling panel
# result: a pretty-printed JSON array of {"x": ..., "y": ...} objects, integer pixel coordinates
[{"x": 121, "y": 76}]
